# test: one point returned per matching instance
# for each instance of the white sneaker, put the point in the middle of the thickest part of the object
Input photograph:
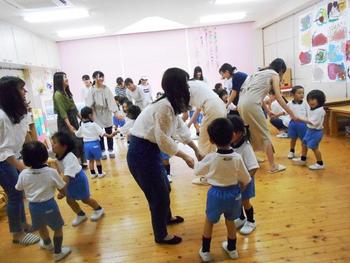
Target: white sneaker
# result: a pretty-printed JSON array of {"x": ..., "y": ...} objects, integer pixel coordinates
[
  {"x": 239, "y": 222},
  {"x": 101, "y": 175},
  {"x": 233, "y": 254},
  {"x": 97, "y": 214},
  {"x": 205, "y": 256},
  {"x": 170, "y": 178},
  {"x": 48, "y": 247},
  {"x": 93, "y": 176},
  {"x": 65, "y": 251},
  {"x": 104, "y": 155},
  {"x": 291, "y": 155},
  {"x": 248, "y": 228},
  {"x": 111, "y": 154},
  {"x": 195, "y": 137},
  {"x": 282, "y": 135},
  {"x": 78, "y": 220},
  {"x": 316, "y": 166},
  {"x": 200, "y": 181},
  {"x": 298, "y": 161},
  {"x": 260, "y": 160}
]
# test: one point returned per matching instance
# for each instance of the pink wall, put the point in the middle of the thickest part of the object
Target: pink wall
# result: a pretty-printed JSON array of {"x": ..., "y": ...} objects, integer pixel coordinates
[{"x": 151, "y": 54}]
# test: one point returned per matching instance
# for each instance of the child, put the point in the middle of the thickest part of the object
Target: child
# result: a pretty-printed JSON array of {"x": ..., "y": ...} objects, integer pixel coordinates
[
  {"x": 91, "y": 133},
  {"x": 120, "y": 89},
  {"x": 297, "y": 129},
  {"x": 131, "y": 115},
  {"x": 88, "y": 84},
  {"x": 74, "y": 176},
  {"x": 119, "y": 121},
  {"x": 231, "y": 108},
  {"x": 241, "y": 145},
  {"x": 314, "y": 131},
  {"x": 224, "y": 170},
  {"x": 217, "y": 88},
  {"x": 39, "y": 183},
  {"x": 135, "y": 94},
  {"x": 147, "y": 90},
  {"x": 278, "y": 117}
]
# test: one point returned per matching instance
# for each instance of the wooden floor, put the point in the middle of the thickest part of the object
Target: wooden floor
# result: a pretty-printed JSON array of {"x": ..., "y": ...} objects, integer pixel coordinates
[{"x": 302, "y": 216}]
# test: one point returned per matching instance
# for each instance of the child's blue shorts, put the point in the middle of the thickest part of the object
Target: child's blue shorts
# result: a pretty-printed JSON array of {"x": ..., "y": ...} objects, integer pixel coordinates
[
  {"x": 296, "y": 129},
  {"x": 199, "y": 118},
  {"x": 78, "y": 187},
  {"x": 249, "y": 191},
  {"x": 312, "y": 138},
  {"x": 117, "y": 122},
  {"x": 92, "y": 150}
]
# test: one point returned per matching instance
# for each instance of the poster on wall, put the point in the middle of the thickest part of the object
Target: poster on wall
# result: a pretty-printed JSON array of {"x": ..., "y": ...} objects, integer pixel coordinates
[
  {"x": 41, "y": 125},
  {"x": 305, "y": 26}
]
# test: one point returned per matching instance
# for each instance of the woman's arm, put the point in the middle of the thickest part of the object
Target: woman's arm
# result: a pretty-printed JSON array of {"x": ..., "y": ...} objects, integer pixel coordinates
[
  {"x": 231, "y": 98},
  {"x": 16, "y": 163},
  {"x": 194, "y": 117},
  {"x": 196, "y": 151},
  {"x": 188, "y": 159}
]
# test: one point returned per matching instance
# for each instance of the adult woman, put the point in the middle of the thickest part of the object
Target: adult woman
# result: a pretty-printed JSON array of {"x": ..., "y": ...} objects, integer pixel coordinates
[
  {"x": 102, "y": 101},
  {"x": 252, "y": 97},
  {"x": 13, "y": 130},
  {"x": 67, "y": 112},
  {"x": 233, "y": 81},
  {"x": 152, "y": 132}
]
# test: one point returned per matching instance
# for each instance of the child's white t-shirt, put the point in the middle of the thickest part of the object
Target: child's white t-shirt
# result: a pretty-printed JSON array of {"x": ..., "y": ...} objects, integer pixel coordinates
[
  {"x": 147, "y": 90},
  {"x": 126, "y": 129},
  {"x": 39, "y": 185},
  {"x": 316, "y": 116},
  {"x": 89, "y": 131},
  {"x": 69, "y": 165},
  {"x": 276, "y": 109},
  {"x": 137, "y": 96},
  {"x": 223, "y": 169},
  {"x": 231, "y": 107},
  {"x": 299, "y": 109},
  {"x": 248, "y": 155},
  {"x": 228, "y": 85}
]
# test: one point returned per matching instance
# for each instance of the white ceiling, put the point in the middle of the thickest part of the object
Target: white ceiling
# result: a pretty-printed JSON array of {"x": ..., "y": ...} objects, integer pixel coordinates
[{"x": 116, "y": 15}]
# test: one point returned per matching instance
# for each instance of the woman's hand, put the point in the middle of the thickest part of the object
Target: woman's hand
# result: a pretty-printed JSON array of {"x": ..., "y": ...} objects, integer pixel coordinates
[
  {"x": 294, "y": 117},
  {"x": 199, "y": 156},
  {"x": 71, "y": 129},
  {"x": 60, "y": 196},
  {"x": 189, "y": 161},
  {"x": 271, "y": 115}
]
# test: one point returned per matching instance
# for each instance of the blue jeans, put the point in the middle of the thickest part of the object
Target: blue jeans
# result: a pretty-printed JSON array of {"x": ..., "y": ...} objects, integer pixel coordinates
[{"x": 15, "y": 207}]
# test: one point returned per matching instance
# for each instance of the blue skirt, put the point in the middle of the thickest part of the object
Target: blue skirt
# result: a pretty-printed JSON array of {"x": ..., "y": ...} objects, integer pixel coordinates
[{"x": 78, "y": 187}]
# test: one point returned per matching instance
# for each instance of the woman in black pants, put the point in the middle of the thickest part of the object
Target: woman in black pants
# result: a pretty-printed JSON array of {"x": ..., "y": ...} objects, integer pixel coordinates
[{"x": 152, "y": 133}]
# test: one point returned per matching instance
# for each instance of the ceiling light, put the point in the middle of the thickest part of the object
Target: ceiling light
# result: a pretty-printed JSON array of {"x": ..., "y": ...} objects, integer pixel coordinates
[
  {"x": 56, "y": 14},
  {"x": 84, "y": 31},
  {"x": 222, "y": 17},
  {"x": 227, "y": 2}
]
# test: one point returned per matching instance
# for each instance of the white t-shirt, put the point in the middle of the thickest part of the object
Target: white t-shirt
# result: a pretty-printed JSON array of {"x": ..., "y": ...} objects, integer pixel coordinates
[
  {"x": 223, "y": 169},
  {"x": 86, "y": 92},
  {"x": 137, "y": 97},
  {"x": 126, "y": 129},
  {"x": 69, "y": 166},
  {"x": 90, "y": 131},
  {"x": 316, "y": 116},
  {"x": 12, "y": 136},
  {"x": 39, "y": 185},
  {"x": 299, "y": 110},
  {"x": 276, "y": 109},
  {"x": 147, "y": 90},
  {"x": 158, "y": 123},
  {"x": 228, "y": 85},
  {"x": 248, "y": 155},
  {"x": 231, "y": 107}
]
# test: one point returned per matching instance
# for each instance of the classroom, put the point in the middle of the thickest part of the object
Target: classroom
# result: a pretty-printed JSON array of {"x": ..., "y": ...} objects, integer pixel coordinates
[{"x": 174, "y": 131}]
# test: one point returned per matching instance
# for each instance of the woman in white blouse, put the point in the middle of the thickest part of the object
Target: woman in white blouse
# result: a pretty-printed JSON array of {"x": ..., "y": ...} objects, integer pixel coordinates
[
  {"x": 13, "y": 130},
  {"x": 152, "y": 133}
]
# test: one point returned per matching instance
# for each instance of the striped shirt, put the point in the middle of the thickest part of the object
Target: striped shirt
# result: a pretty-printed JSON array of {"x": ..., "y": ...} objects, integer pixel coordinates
[{"x": 120, "y": 91}]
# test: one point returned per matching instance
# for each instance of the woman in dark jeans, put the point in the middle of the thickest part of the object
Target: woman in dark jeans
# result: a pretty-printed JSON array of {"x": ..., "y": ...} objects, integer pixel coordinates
[
  {"x": 67, "y": 112},
  {"x": 13, "y": 130}
]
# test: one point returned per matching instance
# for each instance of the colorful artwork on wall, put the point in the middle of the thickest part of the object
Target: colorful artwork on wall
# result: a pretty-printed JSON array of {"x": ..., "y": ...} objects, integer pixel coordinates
[{"x": 41, "y": 125}]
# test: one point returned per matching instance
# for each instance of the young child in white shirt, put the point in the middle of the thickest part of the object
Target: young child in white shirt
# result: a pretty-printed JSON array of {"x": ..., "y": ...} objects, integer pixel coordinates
[
  {"x": 297, "y": 129},
  {"x": 147, "y": 90},
  {"x": 119, "y": 120},
  {"x": 91, "y": 133},
  {"x": 279, "y": 118},
  {"x": 39, "y": 183},
  {"x": 224, "y": 171},
  {"x": 314, "y": 132},
  {"x": 241, "y": 145},
  {"x": 75, "y": 177},
  {"x": 135, "y": 94},
  {"x": 231, "y": 108},
  {"x": 131, "y": 115}
]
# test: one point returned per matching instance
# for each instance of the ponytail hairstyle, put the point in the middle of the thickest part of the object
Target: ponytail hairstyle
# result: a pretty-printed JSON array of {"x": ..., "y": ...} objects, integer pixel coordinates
[
  {"x": 58, "y": 78},
  {"x": 197, "y": 70},
  {"x": 278, "y": 65},
  {"x": 96, "y": 74},
  {"x": 227, "y": 67},
  {"x": 239, "y": 126}
]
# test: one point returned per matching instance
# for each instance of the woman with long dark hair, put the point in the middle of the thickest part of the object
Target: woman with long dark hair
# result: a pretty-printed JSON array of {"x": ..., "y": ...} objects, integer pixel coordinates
[
  {"x": 152, "y": 133},
  {"x": 253, "y": 92},
  {"x": 13, "y": 130},
  {"x": 67, "y": 112}
]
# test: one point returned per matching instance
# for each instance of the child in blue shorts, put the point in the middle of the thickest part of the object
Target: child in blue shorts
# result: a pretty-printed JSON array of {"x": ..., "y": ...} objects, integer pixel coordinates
[
  {"x": 314, "y": 132},
  {"x": 75, "y": 178},
  {"x": 297, "y": 129},
  {"x": 224, "y": 171},
  {"x": 119, "y": 121},
  {"x": 240, "y": 144},
  {"x": 39, "y": 183},
  {"x": 91, "y": 133}
]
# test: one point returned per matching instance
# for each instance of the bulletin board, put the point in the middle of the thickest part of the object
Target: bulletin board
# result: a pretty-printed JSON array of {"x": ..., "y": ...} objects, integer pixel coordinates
[{"x": 41, "y": 126}]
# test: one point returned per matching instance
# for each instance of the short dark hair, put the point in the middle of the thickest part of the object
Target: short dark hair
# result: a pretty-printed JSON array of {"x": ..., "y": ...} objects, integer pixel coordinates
[
  {"x": 119, "y": 80},
  {"x": 296, "y": 88},
  {"x": 239, "y": 126},
  {"x": 85, "y": 112},
  {"x": 65, "y": 139},
  {"x": 317, "y": 95},
  {"x": 34, "y": 154},
  {"x": 220, "y": 132},
  {"x": 218, "y": 86},
  {"x": 222, "y": 93},
  {"x": 85, "y": 77},
  {"x": 128, "y": 81},
  {"x": 133, "y": 112}
]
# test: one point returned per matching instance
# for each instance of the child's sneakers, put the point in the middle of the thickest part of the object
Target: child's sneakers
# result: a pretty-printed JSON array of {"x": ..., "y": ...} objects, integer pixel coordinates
[
  {"x": 78, "y": 220},
  {"x": 316, "y": 166},
  {"x": 291, "y": 155},
  {"x": 104, "y": 155},
  {"x": 65, "y": 251},
  {"x": 233, "y": 254},
  {"x": 48, "y": 247},
  {"x": 93, "y": 176},
  {"x": 111, "y": 154},
  {"x": 200, "y": 181},
  {"x": 97, "y": 214},
  {"x": 240, "y": 222},
  {"x": 248, "y": 228},
  {"x": 282, "y": 135},
  {"x": 299, "y": 161},
  {"x": 205, "y": 256},
  {"x": 103, "y": 174}
]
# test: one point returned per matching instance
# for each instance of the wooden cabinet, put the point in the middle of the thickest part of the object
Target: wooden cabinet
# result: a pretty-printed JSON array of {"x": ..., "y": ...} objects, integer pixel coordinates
[
  {"x": 24, "y": 47},
  {"x": 7, "y": 44}
]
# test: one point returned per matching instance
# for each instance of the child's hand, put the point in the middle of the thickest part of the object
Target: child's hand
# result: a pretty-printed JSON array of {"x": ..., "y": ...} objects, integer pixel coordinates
[
  {"x": 199, "y": 156},
  {"x": 189, "y": 161},
  {"x": 60, "y": 196}
]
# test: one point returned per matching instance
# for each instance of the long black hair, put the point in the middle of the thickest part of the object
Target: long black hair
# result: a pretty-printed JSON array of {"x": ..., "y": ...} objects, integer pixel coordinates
[
  {"x": 58, "y": 79},
  {"x": 278, "y": 65},
  {"x": 176, "y": 89},
  {"x": 239, "y": 126},
  {"x": 227, "y": 67},
  {"x": 11, "y": 100},
  {"x": 96, "y": 74},
  {"x": 196, "y": 70}
]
